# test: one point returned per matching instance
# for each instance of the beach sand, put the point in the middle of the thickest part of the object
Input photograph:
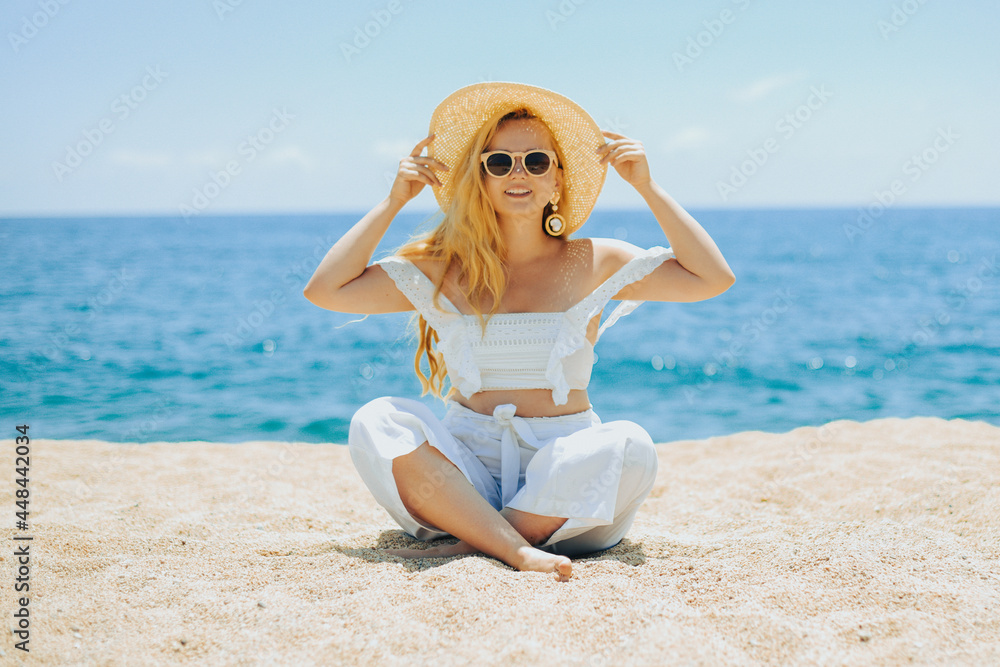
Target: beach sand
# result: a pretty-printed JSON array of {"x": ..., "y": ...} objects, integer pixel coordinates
[{"x": 871, "y": 543}]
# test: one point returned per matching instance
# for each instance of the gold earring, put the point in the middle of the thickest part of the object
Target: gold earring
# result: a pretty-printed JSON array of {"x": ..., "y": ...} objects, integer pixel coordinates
[{"x": 554, "y": 224}]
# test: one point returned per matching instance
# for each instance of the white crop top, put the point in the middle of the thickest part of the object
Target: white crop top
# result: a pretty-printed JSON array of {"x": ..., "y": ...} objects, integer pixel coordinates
[{"x": 521, "y": 350}]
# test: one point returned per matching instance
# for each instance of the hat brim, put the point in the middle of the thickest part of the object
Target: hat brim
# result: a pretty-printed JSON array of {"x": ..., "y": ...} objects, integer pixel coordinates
[{"x": 457, "y": 119}]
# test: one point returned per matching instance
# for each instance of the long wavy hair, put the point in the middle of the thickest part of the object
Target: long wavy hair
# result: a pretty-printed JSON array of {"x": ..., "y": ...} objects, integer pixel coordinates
[{"x": 468, "y": 238}]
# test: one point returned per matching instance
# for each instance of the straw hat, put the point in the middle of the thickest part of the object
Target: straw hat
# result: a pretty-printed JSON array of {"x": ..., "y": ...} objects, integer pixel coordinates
[{"x": 457, "y": 119}]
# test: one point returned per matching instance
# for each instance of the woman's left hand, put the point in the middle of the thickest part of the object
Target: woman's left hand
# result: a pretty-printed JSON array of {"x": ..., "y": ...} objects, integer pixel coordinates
[{"x": 627, "y": 156}]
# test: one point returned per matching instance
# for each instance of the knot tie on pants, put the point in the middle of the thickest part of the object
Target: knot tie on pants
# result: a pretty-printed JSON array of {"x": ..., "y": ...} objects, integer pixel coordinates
[{"x": 510, "y": 451}]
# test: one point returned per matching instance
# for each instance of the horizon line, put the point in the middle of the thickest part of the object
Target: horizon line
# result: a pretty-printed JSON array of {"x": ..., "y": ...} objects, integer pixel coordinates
[{"x": 430, "y": 212}]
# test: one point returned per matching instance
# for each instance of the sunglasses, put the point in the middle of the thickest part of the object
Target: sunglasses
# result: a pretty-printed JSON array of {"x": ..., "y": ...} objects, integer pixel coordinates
[{"x": 536, "y": 162}]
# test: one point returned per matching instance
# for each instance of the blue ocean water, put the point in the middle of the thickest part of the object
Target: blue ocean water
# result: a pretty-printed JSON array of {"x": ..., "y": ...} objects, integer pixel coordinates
[{"x": 147, "y": 329}]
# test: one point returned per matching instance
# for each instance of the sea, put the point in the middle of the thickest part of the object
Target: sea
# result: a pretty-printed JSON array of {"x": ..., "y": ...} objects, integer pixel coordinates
[{"x": 142, "y": 329}]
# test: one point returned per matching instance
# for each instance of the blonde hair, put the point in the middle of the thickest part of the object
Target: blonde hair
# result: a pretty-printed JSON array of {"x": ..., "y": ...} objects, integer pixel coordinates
[{"x": 468, "y": 238}]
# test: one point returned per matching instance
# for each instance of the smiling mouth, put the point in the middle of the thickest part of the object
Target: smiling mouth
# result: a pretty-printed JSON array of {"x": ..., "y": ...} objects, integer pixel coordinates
[{"x": 518, "y": 193}]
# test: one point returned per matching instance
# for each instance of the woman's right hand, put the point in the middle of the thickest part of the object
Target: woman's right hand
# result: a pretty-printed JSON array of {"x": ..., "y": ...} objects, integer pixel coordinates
[
  {"x": 343, "y": 281},
  {"x": 414, "y": 173}
]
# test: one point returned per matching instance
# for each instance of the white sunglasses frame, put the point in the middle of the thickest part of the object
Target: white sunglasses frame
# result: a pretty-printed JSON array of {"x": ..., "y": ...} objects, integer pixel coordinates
[{"x": 553, "y": 160}]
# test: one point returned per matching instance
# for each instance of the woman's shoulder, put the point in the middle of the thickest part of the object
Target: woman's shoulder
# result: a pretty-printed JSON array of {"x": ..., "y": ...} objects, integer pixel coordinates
[
  {"x": 431, "y": 267},
  {"x": 610, "y": 255}
]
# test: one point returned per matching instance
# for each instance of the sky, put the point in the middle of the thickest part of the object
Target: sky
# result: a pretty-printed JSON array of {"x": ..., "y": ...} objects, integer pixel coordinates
[{"x": 218, "y": 107}]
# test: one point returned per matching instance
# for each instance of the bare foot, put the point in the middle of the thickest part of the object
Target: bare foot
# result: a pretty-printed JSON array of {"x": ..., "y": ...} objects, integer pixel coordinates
[
  {"x": 529, "y": 559},
  {"x": 536, "y": 560}
]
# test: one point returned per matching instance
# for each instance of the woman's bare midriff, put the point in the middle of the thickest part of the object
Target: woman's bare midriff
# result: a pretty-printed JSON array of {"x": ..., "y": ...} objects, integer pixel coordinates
[{"x": 529, "y": 402}]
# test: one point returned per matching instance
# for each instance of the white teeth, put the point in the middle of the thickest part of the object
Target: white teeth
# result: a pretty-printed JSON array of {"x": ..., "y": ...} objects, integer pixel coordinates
[{"x": 518, "y": 192}]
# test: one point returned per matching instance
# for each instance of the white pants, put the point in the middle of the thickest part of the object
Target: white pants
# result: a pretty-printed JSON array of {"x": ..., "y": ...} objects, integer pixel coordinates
[{"x": 596, "y": 475}]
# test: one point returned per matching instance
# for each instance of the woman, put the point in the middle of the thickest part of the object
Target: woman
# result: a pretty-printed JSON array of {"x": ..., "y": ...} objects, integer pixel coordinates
[{"x": 509, "y": 309}]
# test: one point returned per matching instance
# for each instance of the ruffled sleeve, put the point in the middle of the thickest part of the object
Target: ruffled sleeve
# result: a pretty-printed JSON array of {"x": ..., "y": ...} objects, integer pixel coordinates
[
  {"x": 456, "y": 347},
  {"x": 419, "y": 289},
  {"x": 572, "y": 350},
  {"x": 637, "y": 268},
  {"x": 453, "y": 341},
  {"x": 570, "y": 343}
]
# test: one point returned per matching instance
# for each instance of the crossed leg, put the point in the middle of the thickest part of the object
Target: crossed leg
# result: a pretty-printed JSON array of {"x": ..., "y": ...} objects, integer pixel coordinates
[
  {"x": 434, "y": 491},
  {"x": 534, "y": 528}
]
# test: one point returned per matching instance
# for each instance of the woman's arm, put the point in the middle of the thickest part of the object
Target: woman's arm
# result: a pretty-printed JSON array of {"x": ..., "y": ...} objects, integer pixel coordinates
[
  {"x": 699, "y": 270},
  {"x": 343, "y": 281}
]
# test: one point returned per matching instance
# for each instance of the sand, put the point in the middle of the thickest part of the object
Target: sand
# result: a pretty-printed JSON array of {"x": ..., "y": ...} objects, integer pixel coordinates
[{"x": 870, "y": 543}]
